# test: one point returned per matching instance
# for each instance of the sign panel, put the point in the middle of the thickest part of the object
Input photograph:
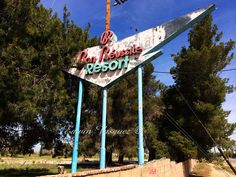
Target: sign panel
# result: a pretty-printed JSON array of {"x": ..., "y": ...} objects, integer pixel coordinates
[{"x": 110, "y": 61}]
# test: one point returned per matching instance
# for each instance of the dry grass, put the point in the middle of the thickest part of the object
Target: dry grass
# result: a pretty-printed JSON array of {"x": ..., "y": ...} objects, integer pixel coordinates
[{"x": 202, "y": 169}]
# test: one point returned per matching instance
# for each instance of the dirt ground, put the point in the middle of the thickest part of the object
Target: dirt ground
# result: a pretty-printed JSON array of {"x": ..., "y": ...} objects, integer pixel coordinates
[
  {"x": 211, "y": 170},
  {"x": 219, "y": 172}
]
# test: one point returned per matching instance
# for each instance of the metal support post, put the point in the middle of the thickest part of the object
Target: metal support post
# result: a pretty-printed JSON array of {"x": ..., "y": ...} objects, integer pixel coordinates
[
  {"x": 77, "y": 129},
  {"x": 103, "y": 131},
  {"x": 140, "y": 118}
]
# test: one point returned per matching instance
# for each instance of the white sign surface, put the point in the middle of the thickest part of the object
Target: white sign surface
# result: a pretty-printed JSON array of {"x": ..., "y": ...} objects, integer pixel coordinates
[{"x": 103, "y": 65}]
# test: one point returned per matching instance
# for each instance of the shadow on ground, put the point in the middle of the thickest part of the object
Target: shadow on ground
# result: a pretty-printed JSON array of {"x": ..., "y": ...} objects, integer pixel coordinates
[
  {"x": 47, "y": 169},
  {"x": 23, "y": 172}
]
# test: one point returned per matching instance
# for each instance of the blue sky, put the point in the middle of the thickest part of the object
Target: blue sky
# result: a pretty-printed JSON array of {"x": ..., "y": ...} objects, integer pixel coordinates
[{"x": 144, "y": 14}]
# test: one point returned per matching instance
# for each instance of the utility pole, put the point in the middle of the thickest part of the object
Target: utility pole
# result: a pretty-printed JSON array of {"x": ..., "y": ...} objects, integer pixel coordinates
[
  {"x": 102, "y": 162},
  {"x": 108, "y": 14},
  {"x": 227, "y": 161}
]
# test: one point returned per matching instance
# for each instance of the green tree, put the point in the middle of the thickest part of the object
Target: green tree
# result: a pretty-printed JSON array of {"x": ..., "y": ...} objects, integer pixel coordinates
[
  {"x": 124, "y": 112},
  {"x": 122, "y": 116},
  {"x": 36, "y": 102},
  {"x": 152, "y": 112},
  {"x": 198, "y": 85}
]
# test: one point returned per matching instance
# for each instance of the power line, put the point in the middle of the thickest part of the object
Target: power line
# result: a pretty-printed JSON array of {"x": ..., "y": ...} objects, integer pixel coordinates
[
  {"x": 53, "y": 1},
  {"x": 233, "y": 82},
  {"x": 167, "y": 72},
  {"x": 168, "y": 116},
  {"x": 195, "y": 115},
  {"x": 232, "y": 69},
  {"x": 171, "y": 119},
  {"x": 175, "y": 123},
  {"x": 214, "y": 142}
]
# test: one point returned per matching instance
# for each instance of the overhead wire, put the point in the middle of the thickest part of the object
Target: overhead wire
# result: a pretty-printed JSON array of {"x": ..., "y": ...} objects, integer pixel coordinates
[
  {"x": 183, "y": 131},
  {"x": 174, "y": 122},
  {"x": 233, "y": 82},
  {"x": 229, "y": 75},
  {"x": 186, "y": 102},
  {"x": 203, "y": 151},
  {"x": 167, "y": 72},
  {"x": 53, "y": 1},
  {"x": 195, "y": 115},
  {"x": 206, "y": 130}
]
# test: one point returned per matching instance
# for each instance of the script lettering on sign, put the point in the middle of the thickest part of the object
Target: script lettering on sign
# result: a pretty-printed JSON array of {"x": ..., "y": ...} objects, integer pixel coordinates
[
  {"x": 113, "y": 60},
  {"x": 109, "y": 59}
]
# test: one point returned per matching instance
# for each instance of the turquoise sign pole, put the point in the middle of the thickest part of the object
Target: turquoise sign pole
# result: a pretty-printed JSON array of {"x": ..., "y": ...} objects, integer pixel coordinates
[
  {"x": 140, "y": 118},
  {"x": 103, "y": 131},
  {"x": 77, "y": 129}
]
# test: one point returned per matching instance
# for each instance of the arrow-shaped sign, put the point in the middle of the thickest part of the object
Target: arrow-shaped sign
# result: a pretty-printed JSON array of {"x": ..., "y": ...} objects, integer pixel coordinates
[{"x": 103, "y": 65}]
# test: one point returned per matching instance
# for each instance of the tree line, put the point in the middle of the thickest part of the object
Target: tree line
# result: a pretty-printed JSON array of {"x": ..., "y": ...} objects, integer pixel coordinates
[{"x": 38, "y": 100}]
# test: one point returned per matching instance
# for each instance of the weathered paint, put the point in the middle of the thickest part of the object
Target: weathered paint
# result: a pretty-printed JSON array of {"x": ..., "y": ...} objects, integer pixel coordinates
[
  {"x": 140, "y": 117},
  {"x": 150, "y": 40},
  {"x": 103, "y": 131},
  {"x": 77, "y": 129}
]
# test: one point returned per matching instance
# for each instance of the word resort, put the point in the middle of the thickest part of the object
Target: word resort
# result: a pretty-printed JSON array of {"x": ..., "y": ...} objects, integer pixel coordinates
[
  {"x": 109, "y": 59},
  {"x": 105, "y": 66}
]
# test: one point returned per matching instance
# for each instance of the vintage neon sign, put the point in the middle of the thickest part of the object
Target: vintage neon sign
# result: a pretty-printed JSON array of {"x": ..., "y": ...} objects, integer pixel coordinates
[
  {"x": 113, "y": 60},
  {"x": 104, "y": 67}
]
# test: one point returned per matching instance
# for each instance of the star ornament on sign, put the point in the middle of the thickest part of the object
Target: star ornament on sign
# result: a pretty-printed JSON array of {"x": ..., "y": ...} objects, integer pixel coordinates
[{"x": 111, "y": 61}]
